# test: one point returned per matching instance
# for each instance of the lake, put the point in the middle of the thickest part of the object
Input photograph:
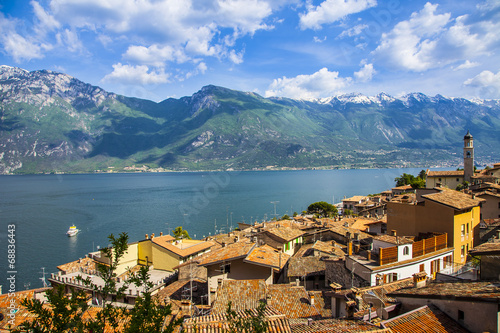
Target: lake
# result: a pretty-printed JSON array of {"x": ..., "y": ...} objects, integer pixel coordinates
[{"x": 43, "y": 207}]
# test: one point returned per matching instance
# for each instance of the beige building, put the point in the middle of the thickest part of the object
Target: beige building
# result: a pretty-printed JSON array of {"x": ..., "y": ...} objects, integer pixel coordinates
[
  {"x": 448, "y": 179},
  {"x": 445, "y": 211}
]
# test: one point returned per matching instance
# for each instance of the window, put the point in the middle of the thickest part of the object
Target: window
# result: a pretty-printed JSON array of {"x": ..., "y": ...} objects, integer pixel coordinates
[
  {"x": 406, "y": 251},
  {"x": 462, "y": 230},
  {"x": 422, "y": 267},
  {"x": 467, "y": 228},
  {"x": 462, "y": 251},
  {"x": 225, "y": 268}
]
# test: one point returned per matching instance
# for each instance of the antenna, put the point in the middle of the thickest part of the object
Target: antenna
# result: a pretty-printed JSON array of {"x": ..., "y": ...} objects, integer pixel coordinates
[
  {"x": 45, "y": 284},
  {"x": 275, "y": 202}
]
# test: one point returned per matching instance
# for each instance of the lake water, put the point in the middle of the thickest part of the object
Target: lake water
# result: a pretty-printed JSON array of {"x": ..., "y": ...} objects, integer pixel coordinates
[{"x": 43, "y": 207}]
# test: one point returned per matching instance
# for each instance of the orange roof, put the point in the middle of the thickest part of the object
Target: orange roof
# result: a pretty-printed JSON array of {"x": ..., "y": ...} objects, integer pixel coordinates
[
  {"x": 455, "y": 173},
  {"x": 184, "y": 248},
  {"x": 423, "y": 319},
  {"x": 243, "y": 295},
  {"x": 267, "y": 256},
  {"x": 284, "y": 233},
  {"x": 230, "y": 252},
  {"x": 292, "y": 301},
  {"x": 453, "y": 199},
  {"x": 77, "y": 265}
]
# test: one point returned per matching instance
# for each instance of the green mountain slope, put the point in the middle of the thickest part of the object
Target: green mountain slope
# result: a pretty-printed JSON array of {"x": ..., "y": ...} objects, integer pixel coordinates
[{"x": 50, "y": 122}]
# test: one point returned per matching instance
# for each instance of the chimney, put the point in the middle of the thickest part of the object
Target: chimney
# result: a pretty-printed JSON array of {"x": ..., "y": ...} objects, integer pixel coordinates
[
  {"x": 152, "y": 235},
  {"x": 369, "y": 255},
  {"x": 309, "y": 321},
  {"x": 356, "y": 236},
  {"x": 312, "y": 299},
  {"x": 161, "y": 233},
  {"x": 356, "y": 248},
  {"x": 147, "y": 236},
  {"x": 348, "y": 235},
  {"x": 394, "y": 233},
  {"x": 349, "y": 248},
  {"x": 420, "y": 279}
]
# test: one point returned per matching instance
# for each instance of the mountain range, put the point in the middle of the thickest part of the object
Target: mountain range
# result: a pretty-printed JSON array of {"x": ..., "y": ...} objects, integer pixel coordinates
[{"x": 52, "y": 122}]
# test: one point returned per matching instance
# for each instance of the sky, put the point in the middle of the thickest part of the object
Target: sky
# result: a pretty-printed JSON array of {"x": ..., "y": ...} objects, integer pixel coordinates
[{"x": 157, "y": 49}]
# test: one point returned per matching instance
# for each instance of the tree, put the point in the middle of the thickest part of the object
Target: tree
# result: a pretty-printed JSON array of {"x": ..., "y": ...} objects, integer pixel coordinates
[
  {"x": 462, "y": 186},
  {"x": 250, "y": 323},
  {"x": 180, "y": 233},
  {"x": 408, "y": 179},
  {"x": 61, "y": 314},
  {"x": 322, "y": 209},
  {"x": 148, "y": 315},
  {"x": 64, "y": 313},
  {"x": 285, "y": 217}
]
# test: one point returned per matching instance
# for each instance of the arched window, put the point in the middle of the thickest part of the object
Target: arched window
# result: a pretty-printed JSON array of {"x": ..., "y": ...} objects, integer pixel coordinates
[
  {"x": 406, "y": 250},
  {"x": 468, "y": 154}
]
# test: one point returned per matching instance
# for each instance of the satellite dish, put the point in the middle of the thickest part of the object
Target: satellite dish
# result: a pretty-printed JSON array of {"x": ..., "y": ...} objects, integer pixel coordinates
[{"x": 376, "y": 302}]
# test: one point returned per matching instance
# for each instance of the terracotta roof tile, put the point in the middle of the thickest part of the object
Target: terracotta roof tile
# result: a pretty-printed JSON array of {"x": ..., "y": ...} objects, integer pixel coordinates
[
  {"x": 308, "y": 266},
  {"x": 267, "y": 256},
  {"x": 334, "y": 326},
  {"x": 486, "y": 248},
  {"x": 328, "y": 248},
  {"x": 467, "y": 290},
  {"x": 424, "y": 319},
  {"x": 455, "y": 173},
  {"x": 454, "y": 199},
  {"x": 185, "y": 248},
  {"x": 285, "y": 234},
  {"x": 229, "y": 252},
  {"x": 292, "y": 301},
  {"x": 218, "y": 323},
  {"x": 243, "y": 295},
  {"x": 396, "y": 240},
  {"x": 78, "y": 265}
]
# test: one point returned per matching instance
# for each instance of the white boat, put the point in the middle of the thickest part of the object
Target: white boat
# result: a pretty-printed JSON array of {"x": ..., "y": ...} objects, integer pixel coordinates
[{"x": 72, "y": 231}]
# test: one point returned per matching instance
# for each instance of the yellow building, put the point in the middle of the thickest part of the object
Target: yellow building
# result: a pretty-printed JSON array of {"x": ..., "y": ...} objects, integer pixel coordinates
[
  {"x": 165, "y": 252},
  {"x": 444, "y": 211}
]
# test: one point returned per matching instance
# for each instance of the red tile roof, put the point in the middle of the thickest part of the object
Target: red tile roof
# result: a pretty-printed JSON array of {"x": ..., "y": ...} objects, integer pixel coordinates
[
  {"x": 243, "y": 295},
  {"x": 267, "y": 256},
  {"x": 284, "y": 234},
  {"x": 183, "y": 248},
  {"x": 334, "y": 326},
  {"x": 423, "y": 319},
  {"x": 229, "y": 252},
  {"x": 466, "y": 290},
  {"x": 293, "y": 301},
  {"x": 218, "y": 323},
  {"x": 453, "y": 199}
]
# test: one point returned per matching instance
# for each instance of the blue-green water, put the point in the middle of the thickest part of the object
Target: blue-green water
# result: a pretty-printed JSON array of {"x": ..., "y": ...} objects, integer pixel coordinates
[{"x": 42, "y": 207}]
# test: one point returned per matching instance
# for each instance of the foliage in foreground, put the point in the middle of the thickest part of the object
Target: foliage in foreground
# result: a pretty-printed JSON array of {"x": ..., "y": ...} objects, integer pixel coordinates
[
  {"x": 251, "y": 323},
  {"x": 68, "y": 313}
]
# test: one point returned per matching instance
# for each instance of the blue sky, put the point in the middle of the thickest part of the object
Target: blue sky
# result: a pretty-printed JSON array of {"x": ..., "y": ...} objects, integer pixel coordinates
[{"x": 157, "y": 49}]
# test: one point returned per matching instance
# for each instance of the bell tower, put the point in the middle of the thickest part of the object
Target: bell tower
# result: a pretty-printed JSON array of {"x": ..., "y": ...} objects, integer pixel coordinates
[{"x": 468, "y": 157}]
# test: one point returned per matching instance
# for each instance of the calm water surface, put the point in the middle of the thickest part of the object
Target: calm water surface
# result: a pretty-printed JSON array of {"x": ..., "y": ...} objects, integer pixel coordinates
[{"x": 42, "y": 207}]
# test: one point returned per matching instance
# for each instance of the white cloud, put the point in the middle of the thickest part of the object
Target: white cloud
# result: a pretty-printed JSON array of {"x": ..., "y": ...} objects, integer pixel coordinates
[
  {"x": 431, "y": 40},
  {"x": 466, "y": 65},
  {"x": 409, "y": 44},
  {"x": 236, "y": 58},
  {"x": 154, "y": 55},
  {"x": 70, "y": 39},
  {"x": 316, "y": 39},
  {"x": 354, "y": 31},
  {"x": 330, "y": 11},
  {"x": 134, "y": 75},
  {"x": 17, "y": 46},
  {"x": 487, "y": 82},
  {"x": 366, "y": 73},
  {"x": 323, "y": 83},
  {"x": 46, "y": 22}
]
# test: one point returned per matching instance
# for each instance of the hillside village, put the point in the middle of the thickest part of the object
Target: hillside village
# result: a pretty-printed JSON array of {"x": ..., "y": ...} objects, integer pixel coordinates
[{"x": 403, "y": 260}]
